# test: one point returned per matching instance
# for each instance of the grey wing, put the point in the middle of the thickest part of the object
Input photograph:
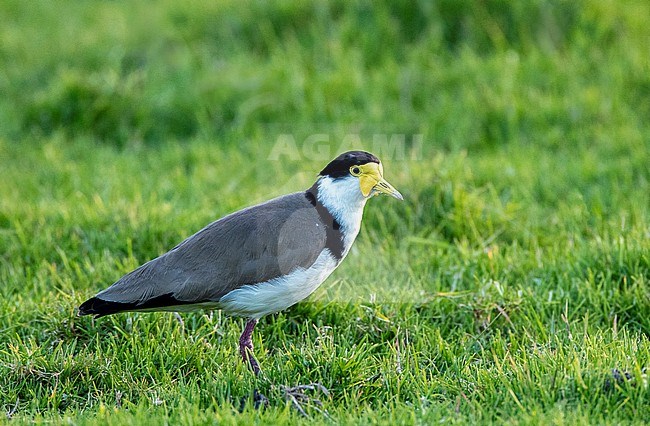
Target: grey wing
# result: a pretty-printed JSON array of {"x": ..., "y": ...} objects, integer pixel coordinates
[{"x": 251, "y": 246}]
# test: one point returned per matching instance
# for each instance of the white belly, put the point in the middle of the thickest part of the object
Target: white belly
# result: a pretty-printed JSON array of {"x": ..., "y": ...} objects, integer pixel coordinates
[{"x": 258, "y": 300}]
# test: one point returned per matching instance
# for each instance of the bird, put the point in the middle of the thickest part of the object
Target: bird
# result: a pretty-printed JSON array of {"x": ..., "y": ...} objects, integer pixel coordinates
[{"x": 259, "y": 260}]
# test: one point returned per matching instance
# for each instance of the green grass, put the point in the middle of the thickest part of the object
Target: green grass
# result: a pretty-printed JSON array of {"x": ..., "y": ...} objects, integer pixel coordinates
[{"x": 505, "y": 289}]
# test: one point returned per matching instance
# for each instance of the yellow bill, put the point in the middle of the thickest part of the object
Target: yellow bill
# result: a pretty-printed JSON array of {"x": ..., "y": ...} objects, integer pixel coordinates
[{"x": 372, "y": 181}]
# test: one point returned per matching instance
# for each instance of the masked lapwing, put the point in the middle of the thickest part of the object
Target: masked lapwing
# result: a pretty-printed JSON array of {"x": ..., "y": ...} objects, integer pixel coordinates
[{"x": 259, "y": 260}]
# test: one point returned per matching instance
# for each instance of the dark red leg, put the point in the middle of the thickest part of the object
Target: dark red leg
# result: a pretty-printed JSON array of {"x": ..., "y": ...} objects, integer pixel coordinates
[{"x": 246, "y": 347}]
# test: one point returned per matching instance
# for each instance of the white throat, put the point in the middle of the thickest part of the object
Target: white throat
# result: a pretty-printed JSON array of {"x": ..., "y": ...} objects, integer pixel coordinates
[{"x": 344, "y": 200}]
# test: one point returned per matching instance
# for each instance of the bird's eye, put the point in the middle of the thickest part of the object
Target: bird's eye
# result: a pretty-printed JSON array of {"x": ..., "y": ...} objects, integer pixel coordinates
[{"x": 355, "y": 171}]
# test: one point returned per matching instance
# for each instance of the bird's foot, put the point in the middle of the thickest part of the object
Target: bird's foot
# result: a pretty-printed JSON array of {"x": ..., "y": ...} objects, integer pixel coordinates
[
  {"x": 305, "y": 397},
  {"x": 258, "y": 399}
]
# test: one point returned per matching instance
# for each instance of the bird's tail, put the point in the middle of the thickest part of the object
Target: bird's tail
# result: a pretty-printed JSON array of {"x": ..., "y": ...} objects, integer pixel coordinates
[
  {"x": 164, "y": 302},
  {"x": 99, "y": 308}
]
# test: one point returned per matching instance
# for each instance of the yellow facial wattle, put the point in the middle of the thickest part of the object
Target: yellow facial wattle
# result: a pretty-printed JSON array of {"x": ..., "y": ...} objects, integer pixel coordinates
[{"x": 371, "y": 180}]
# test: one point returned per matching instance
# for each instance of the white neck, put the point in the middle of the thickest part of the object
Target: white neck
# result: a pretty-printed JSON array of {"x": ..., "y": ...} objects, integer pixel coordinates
[{"x": 344, "y": 200}]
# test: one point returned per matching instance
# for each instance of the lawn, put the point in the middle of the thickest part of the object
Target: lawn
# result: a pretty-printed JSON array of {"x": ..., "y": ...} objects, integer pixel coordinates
[{"x": 511, "y": 286}]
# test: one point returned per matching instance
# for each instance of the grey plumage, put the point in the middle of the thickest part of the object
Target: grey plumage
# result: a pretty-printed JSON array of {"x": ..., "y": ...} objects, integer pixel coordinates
[
  {"x": 250, "y": 246},
  {"x": 259, "y": 260}
]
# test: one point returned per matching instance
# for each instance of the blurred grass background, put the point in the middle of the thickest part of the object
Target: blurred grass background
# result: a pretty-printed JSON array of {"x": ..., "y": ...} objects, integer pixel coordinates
[
  {"x": 517, "y": 268},
  {"x": 474, "y": 75}
]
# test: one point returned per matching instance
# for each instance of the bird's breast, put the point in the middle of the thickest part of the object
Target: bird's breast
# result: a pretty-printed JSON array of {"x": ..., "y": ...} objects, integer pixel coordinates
[{"x": 350, "y": 227}]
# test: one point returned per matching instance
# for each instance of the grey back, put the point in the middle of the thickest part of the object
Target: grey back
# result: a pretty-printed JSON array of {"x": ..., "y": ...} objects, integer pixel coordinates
[{"x": 250, "y": 246}]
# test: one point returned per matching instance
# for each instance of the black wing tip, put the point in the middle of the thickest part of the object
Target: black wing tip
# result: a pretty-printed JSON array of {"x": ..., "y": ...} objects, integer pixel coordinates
[{"x": 99, "y": 307}]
